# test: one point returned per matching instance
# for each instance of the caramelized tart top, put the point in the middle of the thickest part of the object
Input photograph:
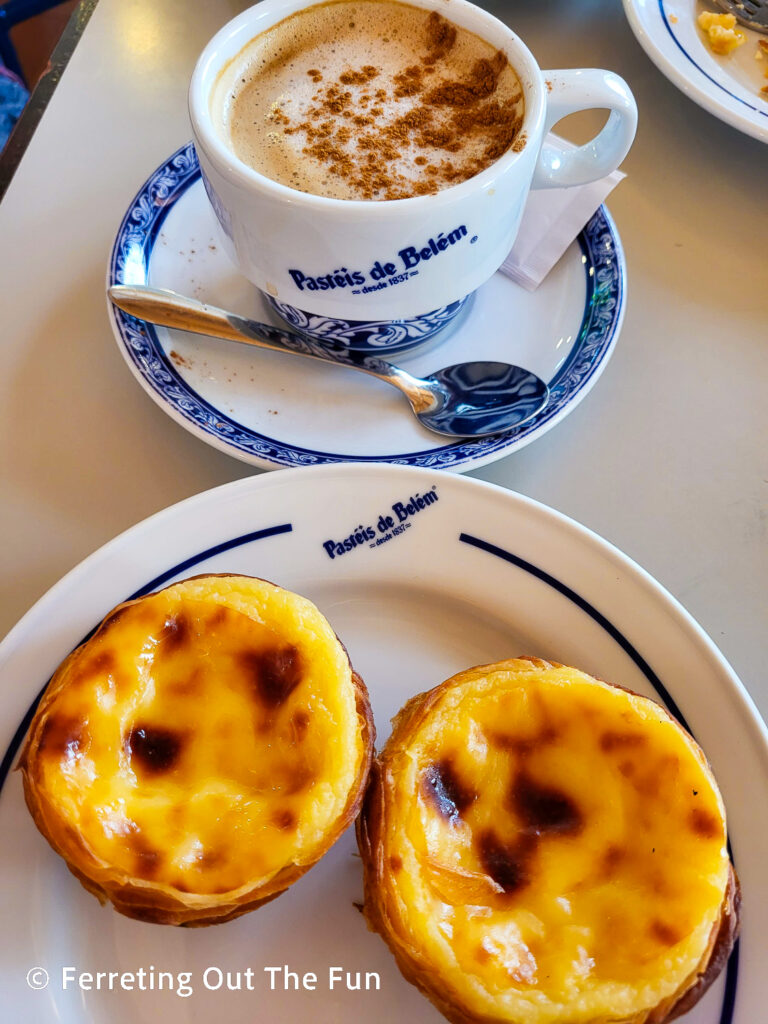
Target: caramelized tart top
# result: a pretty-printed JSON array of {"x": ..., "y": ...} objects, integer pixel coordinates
[
  {"x": 554, "y": 844},
  {"x": 203, "y": 739}
]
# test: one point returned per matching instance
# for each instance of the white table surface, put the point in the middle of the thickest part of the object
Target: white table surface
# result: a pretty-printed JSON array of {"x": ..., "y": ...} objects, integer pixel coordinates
[{"x": 667, "y": 457}]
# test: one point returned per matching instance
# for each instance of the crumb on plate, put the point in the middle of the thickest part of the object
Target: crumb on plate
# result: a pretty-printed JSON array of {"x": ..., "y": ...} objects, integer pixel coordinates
[
  {"x": 761, "y": 54},
  {"x": 722, "y": 35}
]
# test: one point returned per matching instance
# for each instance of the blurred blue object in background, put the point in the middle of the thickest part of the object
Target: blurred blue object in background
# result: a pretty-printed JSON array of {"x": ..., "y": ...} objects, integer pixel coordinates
[{"x": 13, "y": 97}]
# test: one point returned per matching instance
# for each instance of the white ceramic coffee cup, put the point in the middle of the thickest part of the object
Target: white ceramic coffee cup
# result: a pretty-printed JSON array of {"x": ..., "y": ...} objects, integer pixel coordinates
[{"x": 409, "y": 261}]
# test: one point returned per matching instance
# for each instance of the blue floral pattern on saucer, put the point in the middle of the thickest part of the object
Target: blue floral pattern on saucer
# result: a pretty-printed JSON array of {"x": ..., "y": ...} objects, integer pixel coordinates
[
  {"x": 380, "y": 336},
  {"x": 604, "y": 270}
]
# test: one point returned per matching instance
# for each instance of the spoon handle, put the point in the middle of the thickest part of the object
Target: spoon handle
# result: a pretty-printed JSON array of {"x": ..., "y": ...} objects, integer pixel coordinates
[{"x": 169, "y": 309}]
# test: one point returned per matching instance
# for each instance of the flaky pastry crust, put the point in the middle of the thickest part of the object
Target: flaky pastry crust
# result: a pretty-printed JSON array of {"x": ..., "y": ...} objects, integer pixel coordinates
[
  {"x": 479, "y": 901},
  {"x": 201, "y": 751}
]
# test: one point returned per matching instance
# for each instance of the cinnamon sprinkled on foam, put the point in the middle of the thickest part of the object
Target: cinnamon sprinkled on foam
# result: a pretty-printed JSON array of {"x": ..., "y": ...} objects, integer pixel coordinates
[{"x": 438, "y": 106}]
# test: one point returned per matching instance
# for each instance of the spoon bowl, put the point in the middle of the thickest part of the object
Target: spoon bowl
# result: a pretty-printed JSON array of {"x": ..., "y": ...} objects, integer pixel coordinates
[
  {"x": 480, "y": 398},
  {"x": 470, "y": 399}
]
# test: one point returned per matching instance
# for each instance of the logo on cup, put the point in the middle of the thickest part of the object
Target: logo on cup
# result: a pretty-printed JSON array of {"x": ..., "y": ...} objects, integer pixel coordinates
[{"x": 381, "y": 274}]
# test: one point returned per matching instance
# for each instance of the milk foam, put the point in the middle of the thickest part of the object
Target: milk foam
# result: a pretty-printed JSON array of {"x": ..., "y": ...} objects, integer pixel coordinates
[{"x": 268, "y": 88}]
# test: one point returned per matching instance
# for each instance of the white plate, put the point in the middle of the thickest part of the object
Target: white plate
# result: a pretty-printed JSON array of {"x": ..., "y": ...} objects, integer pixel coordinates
[
  {"x": 277, "y": 410},
  {"x": 728, "y": 87},
  {"x": 475, "y": 576}
]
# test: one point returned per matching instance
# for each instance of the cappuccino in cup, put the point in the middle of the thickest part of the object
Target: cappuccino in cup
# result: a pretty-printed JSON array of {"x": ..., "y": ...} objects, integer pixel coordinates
[
  {"x": 368, "y": 99},
  {"x": 369, "y": 161}
]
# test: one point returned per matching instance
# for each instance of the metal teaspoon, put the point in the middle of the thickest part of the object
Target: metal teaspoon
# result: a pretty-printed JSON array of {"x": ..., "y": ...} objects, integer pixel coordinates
[{"x": 464, "y": 400}]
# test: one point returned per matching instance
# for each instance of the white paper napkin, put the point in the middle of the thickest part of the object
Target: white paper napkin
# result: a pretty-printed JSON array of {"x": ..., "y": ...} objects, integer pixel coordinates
[{"x": 552, "y": 218}]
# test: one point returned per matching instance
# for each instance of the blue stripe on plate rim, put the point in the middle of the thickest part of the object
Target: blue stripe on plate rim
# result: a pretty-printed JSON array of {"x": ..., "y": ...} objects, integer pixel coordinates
[
  {"x": 603, "y": 313},
  {"x": 731, "y": 978},
  {"x": 700, "y": 69}
]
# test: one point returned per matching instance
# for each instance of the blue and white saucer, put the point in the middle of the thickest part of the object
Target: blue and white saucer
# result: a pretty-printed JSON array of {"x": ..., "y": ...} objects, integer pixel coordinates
[{"x": 274, "y": 410}]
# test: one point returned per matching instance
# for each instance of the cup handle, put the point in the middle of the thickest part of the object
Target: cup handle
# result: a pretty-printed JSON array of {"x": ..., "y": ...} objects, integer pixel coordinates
[{"x": 585, "y": 89}]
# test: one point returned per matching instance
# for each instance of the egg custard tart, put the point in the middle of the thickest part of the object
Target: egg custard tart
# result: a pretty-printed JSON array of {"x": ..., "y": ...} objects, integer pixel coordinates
[
  {"x": 541, "y": 847},
  {"x": 201, "y": 751}
]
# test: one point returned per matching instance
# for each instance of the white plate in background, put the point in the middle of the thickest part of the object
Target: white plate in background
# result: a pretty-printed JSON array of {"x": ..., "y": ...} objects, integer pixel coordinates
[{"x": 728, "y": 86}]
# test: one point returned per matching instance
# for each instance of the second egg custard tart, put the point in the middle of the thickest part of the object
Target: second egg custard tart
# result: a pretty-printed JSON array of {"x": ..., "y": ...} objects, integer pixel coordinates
[
  {"x": 541, "y": 847},
  {"x": 201, "y": 751}
]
